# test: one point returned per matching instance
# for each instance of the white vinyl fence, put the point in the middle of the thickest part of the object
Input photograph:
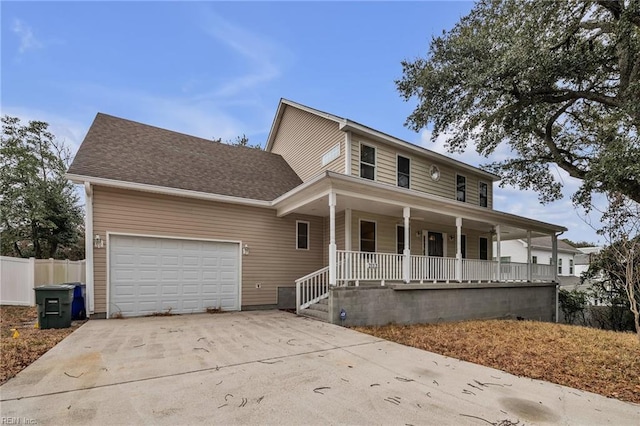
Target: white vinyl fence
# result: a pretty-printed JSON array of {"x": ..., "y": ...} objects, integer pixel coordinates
[{"x": 18, "y": 277}]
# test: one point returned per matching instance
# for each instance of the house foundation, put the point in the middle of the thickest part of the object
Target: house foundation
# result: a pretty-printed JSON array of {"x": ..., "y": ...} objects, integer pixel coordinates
[{"x": 433, "y": 303}]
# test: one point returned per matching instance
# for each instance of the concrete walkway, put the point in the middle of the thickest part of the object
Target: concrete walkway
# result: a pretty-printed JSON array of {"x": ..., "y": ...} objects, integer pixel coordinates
[{"x": 275, "y": 368}]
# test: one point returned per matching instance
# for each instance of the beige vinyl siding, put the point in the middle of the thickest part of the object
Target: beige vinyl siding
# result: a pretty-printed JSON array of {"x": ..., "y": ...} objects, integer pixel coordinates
[
  {"x": 272, "y": 261},
  {"x": 420, "y": 179},
  {"x": 303, "y": 138}
]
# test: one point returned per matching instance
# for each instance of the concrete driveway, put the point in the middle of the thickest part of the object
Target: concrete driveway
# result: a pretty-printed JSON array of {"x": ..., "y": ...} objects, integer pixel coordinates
[{"x": 275, "y": 368}]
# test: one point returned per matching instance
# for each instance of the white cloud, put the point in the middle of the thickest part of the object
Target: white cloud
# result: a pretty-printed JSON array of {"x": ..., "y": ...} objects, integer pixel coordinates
[
  {"x": 24, "y": 32},
  {"x": 263, "y": 58}
]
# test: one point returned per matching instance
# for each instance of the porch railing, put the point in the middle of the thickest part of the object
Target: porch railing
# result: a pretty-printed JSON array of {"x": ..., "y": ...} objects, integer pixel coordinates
[
  {"x": 312, "y": 288},
  {"x": 512, "y": 271},
  {"x": 543, "y": 272},
  {"x": 432, "y": 268},
  {"x": 363, "y": 266},
  {"x": 479, "y": 270}
]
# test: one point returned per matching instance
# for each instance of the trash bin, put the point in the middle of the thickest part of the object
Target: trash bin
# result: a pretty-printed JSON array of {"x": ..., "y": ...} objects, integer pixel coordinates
[
  {"x": 78, "y": 309},
  {"x": 54, "y": 305}
]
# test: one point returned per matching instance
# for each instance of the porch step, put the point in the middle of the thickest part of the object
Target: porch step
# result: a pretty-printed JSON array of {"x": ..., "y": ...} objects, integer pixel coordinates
[{"x": 319, "y": 311}]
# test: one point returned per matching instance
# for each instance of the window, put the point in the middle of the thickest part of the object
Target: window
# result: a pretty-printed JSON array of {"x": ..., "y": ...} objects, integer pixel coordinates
[
  {"x": 483, "y": 191},
  {"x": 302, "y": 233},
  {"x": 463, "y": 246},
  {"x": 404, "y": 167},
  {"x": 367, "y": 162},
  {"x": 570, "y": 266},
  {"x": 534, "y": 259},
  {"x": 400, "y": 239},
  {"x": 560, "y": 266},
  {"x": 461, "y": 188},
  {"x": 367, "y": 236},
  {"x": 484, "y": 248},
  {"x": 506, "y": 259},
  {"x": 551, "y": 261}
]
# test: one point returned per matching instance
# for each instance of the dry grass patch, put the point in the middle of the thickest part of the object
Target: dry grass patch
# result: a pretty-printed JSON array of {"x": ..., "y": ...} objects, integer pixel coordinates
[
  {"x": 599, "y": 361},
  {"x": 17, "y": 353}
]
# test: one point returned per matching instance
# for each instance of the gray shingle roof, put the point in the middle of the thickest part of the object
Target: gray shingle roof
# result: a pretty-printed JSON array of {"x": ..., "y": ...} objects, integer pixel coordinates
[
  {"x": 545, "y": 242},
  {"x": 124, "y": 150}
]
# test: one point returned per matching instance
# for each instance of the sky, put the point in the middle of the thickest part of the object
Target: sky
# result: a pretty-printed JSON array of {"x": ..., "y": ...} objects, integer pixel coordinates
[{"x": 218, "y": 70}]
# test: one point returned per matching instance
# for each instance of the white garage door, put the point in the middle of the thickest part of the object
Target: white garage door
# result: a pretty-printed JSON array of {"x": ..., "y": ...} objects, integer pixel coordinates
[{"x": 152, "y": 275}]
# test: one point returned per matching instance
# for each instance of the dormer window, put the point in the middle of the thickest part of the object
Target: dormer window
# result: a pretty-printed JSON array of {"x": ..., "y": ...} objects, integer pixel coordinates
[
  {"x": 461, "y": 188},
  {"x": 367, "y": 162}
]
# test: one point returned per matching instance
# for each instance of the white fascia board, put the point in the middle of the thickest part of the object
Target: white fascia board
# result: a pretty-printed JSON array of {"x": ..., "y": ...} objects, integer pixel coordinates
[
  {"x": 167, "y": 191},
  {"x": 359, "y": 128}
]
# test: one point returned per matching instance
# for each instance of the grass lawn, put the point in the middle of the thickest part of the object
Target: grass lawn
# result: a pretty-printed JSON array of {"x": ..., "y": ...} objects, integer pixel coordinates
[
  {"x": 17, "y": 353},
  {"x": 598, "y": 361}
]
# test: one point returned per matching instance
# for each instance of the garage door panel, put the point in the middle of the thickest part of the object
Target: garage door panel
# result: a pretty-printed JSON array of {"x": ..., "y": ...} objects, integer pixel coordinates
[{"x": 149, "y": 275}]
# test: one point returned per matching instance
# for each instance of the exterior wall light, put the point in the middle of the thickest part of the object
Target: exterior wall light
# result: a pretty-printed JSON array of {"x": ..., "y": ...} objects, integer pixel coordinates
[
  {"x": 245, "y": 249},
  {"x": 98, "y": 241}
]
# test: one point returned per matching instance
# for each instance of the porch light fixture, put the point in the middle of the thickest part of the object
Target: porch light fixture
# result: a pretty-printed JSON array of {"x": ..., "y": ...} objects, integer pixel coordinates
[
  {"x": 245, "y": 249},
  {"x": 418, "y": 234},
  {"x": 98, "y": 242}
]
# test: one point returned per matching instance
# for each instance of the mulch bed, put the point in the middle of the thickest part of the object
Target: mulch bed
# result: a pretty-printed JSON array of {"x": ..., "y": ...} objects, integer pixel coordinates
[
  {"x": 31, "y": 343},
  {"x": 599, "y": 361}
]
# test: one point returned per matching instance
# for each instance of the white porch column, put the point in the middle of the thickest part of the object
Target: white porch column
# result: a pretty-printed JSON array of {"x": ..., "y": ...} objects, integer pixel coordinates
[
  {"x": 347, "y": 229},
  {"x": 88, "y": 248},
  {"x": 406, "y": 273},
  {"x": 554, "y": 254},
  {"x": 458, "y": 249},
  {"x": 498, "y": 254},
  {"x": 332, "y": 238},
  {"x": 529, "y": 266}
]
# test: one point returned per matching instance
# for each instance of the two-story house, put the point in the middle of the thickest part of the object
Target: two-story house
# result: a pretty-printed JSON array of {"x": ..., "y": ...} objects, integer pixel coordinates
[
  {"x": 333, "y": 214},
  {"x": 541, "y": 253}
]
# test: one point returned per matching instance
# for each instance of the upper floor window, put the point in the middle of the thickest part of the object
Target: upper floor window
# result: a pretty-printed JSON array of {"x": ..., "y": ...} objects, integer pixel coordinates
[
  {"x": 302, "y": 235},
  {"x": 560, "y": 266},
  {"x": 404, "y": 174},
  {"x": 367, "y": 236},
  {"x": 534, "y": 259},
  {"x": 367, "y": 162},
  {"x": 570, "y": 266},
  {"x": 483, "y": 194},
  {"x": 461, "y": 188}
]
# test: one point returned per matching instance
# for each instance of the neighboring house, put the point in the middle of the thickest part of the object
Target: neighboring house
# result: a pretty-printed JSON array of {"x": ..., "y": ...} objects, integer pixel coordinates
[
  {"x": 516, "y": 251},
  {"x": 358, "y": 221},
  {"x": 583, "y": 259}
]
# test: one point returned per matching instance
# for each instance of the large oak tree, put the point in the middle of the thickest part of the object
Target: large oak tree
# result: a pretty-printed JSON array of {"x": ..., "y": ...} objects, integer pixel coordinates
[{"x": 558, "y": 81}]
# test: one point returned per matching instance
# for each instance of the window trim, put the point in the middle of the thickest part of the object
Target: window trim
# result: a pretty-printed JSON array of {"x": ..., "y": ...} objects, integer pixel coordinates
[
  {"x": 480, "y": 183},
  {"x": 398, "y": 171},
  {"x": 375, "y": 234},
  {"x": 455, "y": 189},
  {"x": 480, "y": 246},
  {"x": 298, "y": 234},
  {"x": 375, "y": 158}
]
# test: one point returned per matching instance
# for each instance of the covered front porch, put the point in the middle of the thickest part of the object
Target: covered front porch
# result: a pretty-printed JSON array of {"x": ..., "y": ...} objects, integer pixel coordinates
[{"x": 381, "y": 235}]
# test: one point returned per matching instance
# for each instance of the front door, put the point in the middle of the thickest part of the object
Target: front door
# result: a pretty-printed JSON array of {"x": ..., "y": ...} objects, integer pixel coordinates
[{"x": 434, "y": 244}]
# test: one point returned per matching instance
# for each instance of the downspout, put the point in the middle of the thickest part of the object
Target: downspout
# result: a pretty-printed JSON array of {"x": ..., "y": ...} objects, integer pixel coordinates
[
  {"x": 88, "y": 246},
  {"x": 555, "y": 268}
]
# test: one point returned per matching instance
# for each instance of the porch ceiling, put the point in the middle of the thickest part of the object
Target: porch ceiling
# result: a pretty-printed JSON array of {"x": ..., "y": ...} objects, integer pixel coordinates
[{"x": 373, "y": 197}]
